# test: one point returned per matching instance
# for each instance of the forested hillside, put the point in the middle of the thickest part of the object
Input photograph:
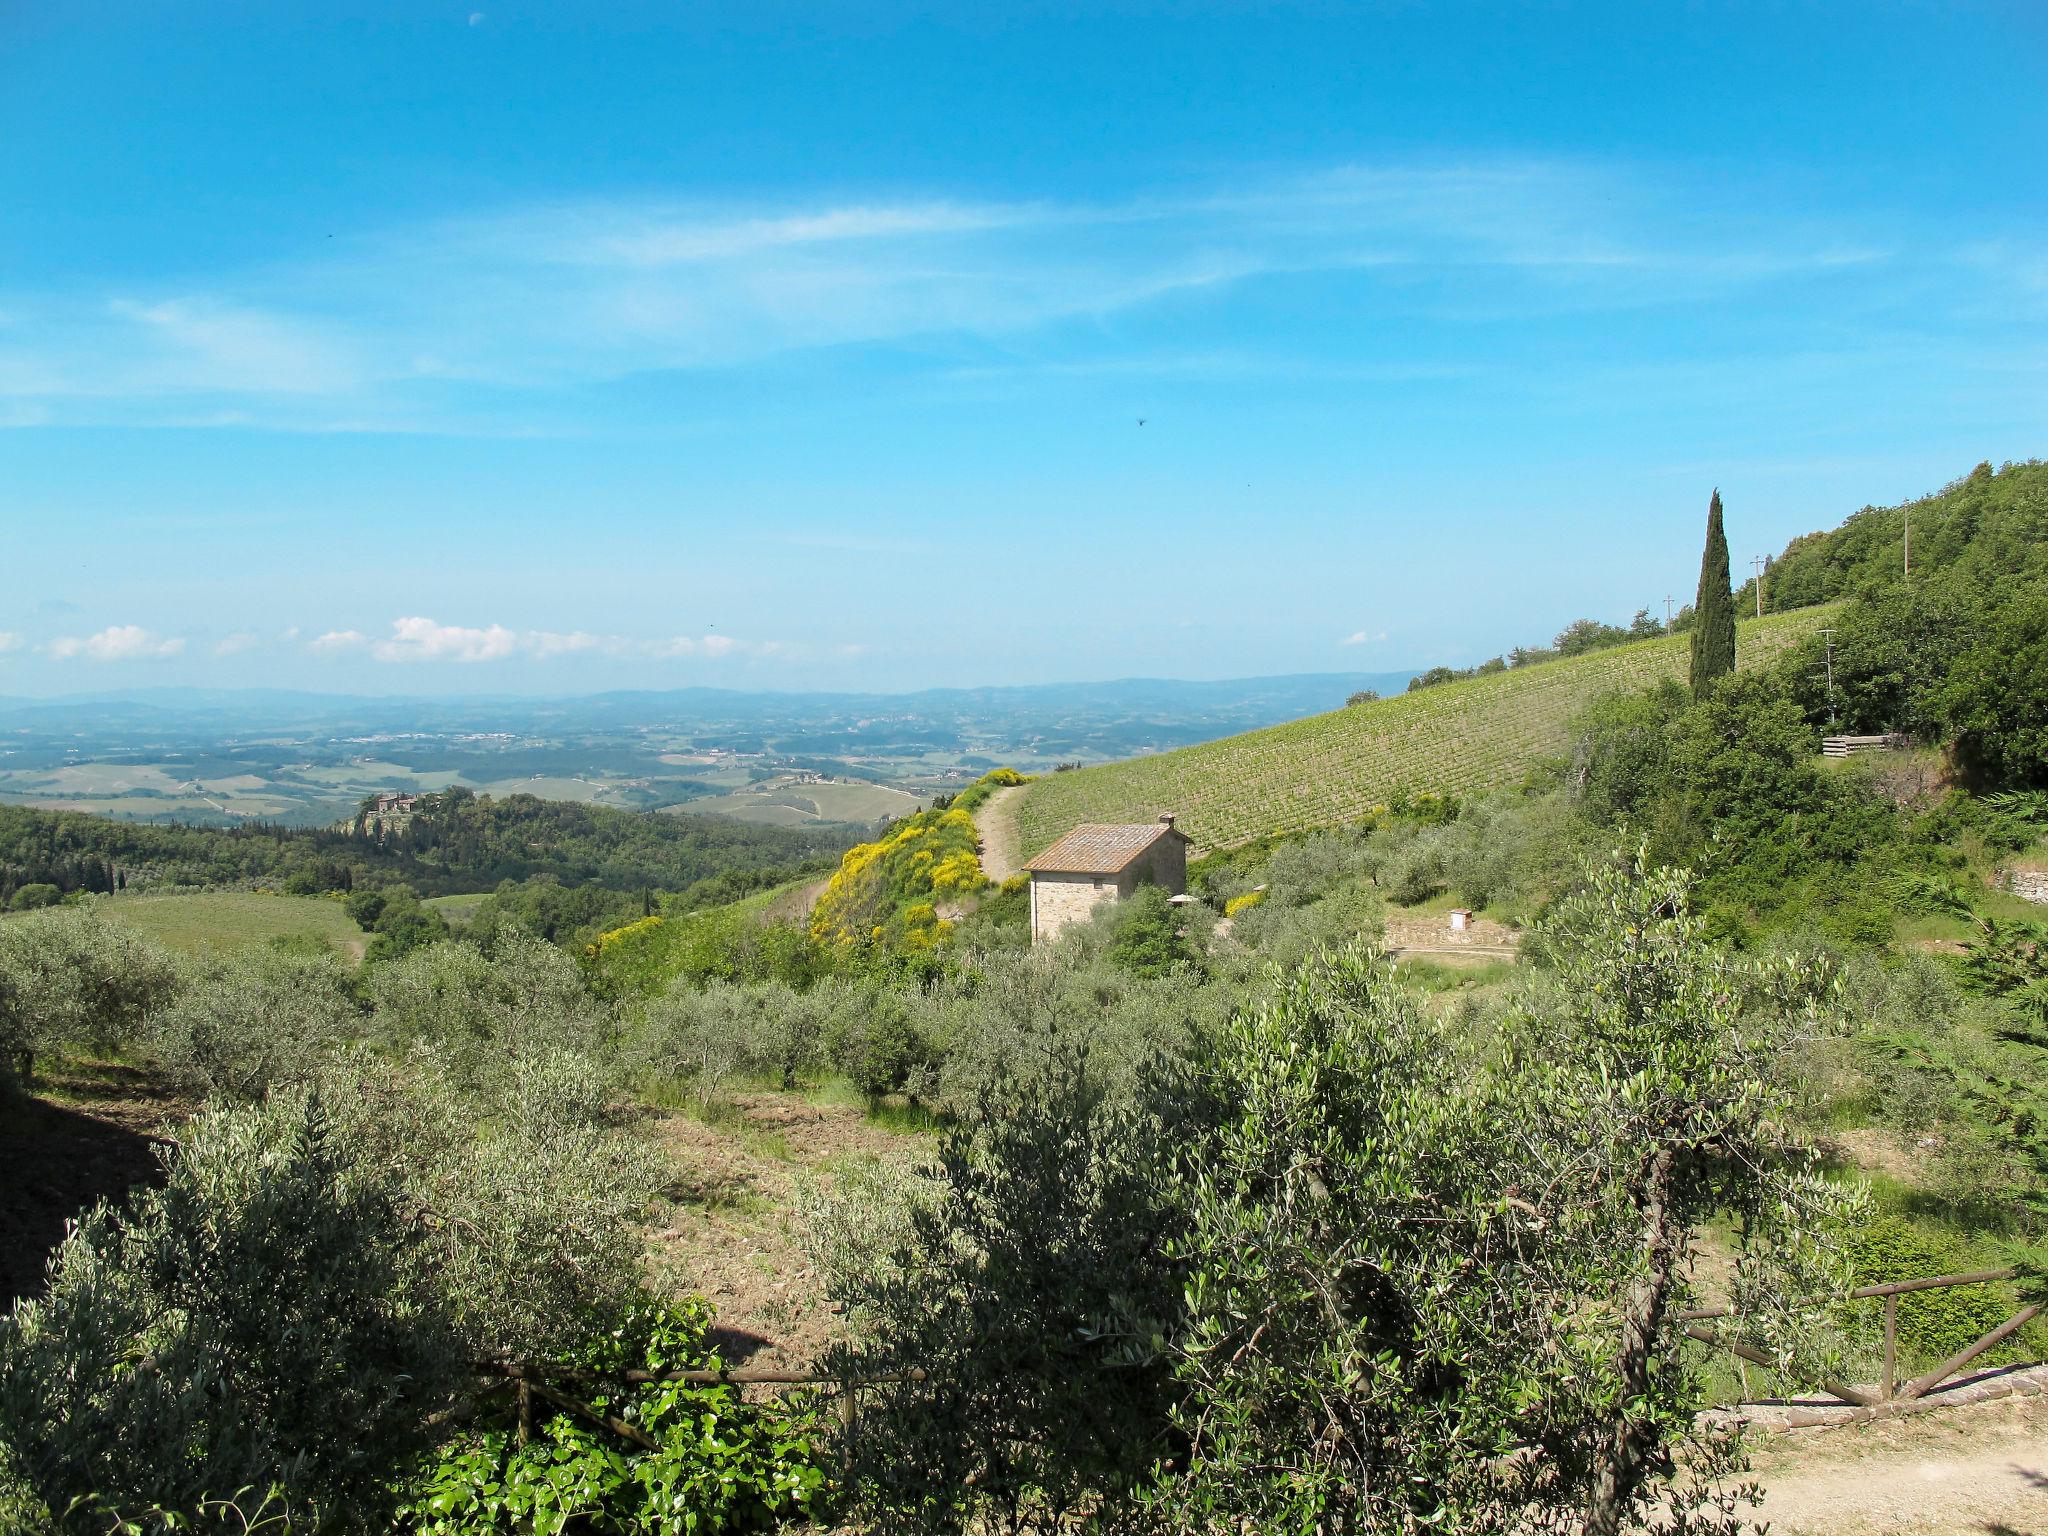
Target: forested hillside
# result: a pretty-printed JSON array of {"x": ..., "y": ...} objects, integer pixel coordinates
[
  {"x": 453, "y": 841},
  {"x": 1988, "y": 526}
]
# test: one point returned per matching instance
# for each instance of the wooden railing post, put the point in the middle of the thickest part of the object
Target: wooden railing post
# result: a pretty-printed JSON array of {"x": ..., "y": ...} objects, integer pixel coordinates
[
  {"x": 525, "y": 1407},
  {"x": 1891, "y": 1345}
]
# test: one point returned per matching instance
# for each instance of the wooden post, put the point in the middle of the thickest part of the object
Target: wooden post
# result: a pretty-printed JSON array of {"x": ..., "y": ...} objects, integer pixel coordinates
[
  {"x": 525, "y": 1410},
  {"x": 1934, "y": 1378},
  {"x": 1891, "y": 1345},
  {"x": 849, "y": 1411}
]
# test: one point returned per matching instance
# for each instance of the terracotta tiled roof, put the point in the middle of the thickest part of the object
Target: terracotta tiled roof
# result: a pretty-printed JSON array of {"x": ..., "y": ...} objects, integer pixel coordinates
[{"x": 1095, "y": 848}]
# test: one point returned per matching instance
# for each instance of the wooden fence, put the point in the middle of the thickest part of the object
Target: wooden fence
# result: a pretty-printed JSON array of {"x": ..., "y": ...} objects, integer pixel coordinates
[
  {"x": 1890, "y": 1391},
  {"x": 1849, "y": 746},
  {"x": 530, "y": 1380}
]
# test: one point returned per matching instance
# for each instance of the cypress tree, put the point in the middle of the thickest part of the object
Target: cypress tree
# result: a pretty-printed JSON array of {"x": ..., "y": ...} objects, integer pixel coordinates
[{"x": 1713, "y": 625}]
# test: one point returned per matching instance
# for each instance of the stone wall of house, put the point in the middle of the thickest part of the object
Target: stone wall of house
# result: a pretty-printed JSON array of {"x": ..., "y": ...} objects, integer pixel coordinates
[
  {"x": 2028, "y": 884},
  {"x": 1057, "y": 900},
  {"x": 1166, "y": 863}
]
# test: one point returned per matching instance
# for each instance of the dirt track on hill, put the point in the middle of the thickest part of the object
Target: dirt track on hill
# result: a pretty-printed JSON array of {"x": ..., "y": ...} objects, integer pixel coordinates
[{"x": 996, "y": 821}]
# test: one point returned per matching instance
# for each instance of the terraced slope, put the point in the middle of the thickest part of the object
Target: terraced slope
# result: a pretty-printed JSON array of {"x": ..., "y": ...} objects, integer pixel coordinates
[{"x": 1457, "y": 738}]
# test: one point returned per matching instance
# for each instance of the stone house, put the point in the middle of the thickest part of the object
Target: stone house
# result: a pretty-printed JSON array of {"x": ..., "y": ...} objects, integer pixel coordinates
[{"x": 1098, "y": 862}]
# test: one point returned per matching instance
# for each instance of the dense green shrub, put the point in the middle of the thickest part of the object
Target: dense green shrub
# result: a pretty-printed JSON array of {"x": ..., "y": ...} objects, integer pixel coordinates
[
  {"x": 249, "y": 1325},
  {"x": 1149, "y": 935},
  {"x": 71, "y": 980},
  {"x": 1933, "y": 1324},
  {"x": 723, "y": 1465},
  {"x": 485, "y": 1011},
  {"x": 1013, "y": 1321},
  {"x": 255, "y": 1021},
  {"x": 704, "y": 1036}
]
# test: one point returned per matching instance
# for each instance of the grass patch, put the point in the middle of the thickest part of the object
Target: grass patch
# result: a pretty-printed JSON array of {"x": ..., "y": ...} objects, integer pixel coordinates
[
  {"x": 1458, "y": 738},
  {"x": 219, "y": 922}
]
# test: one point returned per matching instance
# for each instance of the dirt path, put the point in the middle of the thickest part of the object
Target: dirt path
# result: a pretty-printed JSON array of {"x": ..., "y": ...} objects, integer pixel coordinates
[
  {"x": 996, "y": 821},
  {"x": 731, "y": 1233},
  {"x": 1981, "y": 1470}
]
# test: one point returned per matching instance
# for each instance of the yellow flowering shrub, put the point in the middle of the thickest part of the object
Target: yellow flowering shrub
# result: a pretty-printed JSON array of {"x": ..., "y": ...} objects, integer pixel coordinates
[
  {"x": 886, "y": 893},
  {"x": 1243, "y": 903}
]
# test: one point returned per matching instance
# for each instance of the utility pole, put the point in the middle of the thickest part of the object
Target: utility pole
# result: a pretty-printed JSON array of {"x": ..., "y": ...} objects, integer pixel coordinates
[
  {"x": 1909, "y": 541},
  {"x": 1759, "y": 562},
  {"x": 1667, "y": 613}
]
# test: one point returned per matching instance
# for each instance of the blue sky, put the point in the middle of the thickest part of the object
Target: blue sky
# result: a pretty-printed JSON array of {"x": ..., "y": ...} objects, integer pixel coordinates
[{"x": 548, "y": 348}]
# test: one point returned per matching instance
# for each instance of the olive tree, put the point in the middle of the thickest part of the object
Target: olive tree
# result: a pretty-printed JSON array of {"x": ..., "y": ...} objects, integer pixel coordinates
[
  {"x": 255, "y": 1021},
  {"x": 248, "y": 1326},
  {"x": 71, "y": 979},
  {"x": 1347, "y": 1267}
]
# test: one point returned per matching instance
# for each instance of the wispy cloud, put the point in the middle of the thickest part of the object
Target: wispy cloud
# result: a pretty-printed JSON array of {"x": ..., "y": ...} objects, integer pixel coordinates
[
  {"x": 117, "y": 642},
  {"x": 235, "y": 644},
  {"x": 470, "y": 317},
  {"x": 1361, "y": 637},
  {"x": 9, "y": 641}
]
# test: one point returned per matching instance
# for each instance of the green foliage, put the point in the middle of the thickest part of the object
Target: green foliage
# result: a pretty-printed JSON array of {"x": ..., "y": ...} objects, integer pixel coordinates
[
  {"x": 30, "y": 897},
  {"x": 707, "y": 1035},
  {"x": 217, "y": 1337},
  {"x": 484, "y": 1012},
  {"x": 1713, "y": 629},
  {"x": 1148, "y": 935},
  {"x": 737, "y": 943},
  {"x": 1463, "y": 739},
  {"x": 722, "y": 1464},
  {"x": 403, "y": 924},
  {"x": 72, "y": 980},
  {"x": 1024, "y": 1300},
  {"x": 453, "y": 841},
  {"x": 1989, "y": 527},
  {"x": 1995, "y": 698},
  {"x": 1338, "y": 1269},
  {"x": 255, "y": 1021},
  {"x": 1932, "y": 1324}
]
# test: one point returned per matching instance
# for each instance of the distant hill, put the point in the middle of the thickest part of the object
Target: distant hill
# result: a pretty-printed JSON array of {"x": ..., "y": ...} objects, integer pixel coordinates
[
  {"x": 1989, "y": 525},
  {"x": 1456, "y": 738}
]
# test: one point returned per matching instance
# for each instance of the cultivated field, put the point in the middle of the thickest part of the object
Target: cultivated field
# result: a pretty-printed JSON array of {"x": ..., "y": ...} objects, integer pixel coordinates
[
  {"x": 1457, "y": 738},
  {"x": 211, "y": 922},
  {"x": 786, "y": 801}
]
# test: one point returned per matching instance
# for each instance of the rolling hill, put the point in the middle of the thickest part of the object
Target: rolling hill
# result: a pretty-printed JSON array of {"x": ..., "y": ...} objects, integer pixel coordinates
[{"x": 1457, "y": 738}]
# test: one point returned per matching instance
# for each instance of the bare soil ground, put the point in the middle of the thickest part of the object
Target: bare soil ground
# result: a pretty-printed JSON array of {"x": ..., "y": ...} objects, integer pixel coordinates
[
  {"x": 732, "y": 1231},
  {"x": 996, "y": 821},
  {"x": 1981, "y": 1470},
  {"x": 89, "y": 1133},
  {"x": 1429, "y": 933}
]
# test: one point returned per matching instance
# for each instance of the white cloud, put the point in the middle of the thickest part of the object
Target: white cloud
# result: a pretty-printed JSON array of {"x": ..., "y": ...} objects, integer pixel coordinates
[
  {"x": 241, "y": 640},
  {"x": 421, "y": 639},
  {"x": 336, "y": 641},
  {"x": 9, "y": 641},
  {"x": 546, "y": 644},
  {"x": 117, "y": 642},
  {"x": 1360, "y": 637}
]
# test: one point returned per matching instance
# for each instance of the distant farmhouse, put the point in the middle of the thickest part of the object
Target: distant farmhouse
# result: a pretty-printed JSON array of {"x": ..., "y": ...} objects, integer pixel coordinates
[
  {"x": 394, "y": 805},
  {"x": 1095, "y": 863}
]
